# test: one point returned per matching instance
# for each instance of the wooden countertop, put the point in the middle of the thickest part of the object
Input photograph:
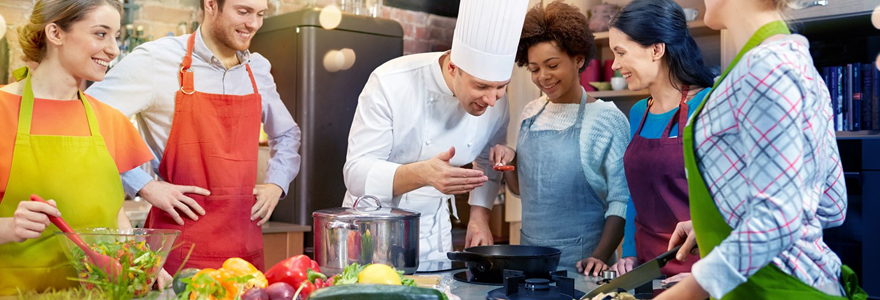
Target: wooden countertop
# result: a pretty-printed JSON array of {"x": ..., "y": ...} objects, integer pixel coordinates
[{"x": 277, "y": 227}]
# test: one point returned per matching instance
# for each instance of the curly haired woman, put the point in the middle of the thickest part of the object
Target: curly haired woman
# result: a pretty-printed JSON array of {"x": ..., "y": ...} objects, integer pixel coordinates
[{"x": 570, "y": 146}]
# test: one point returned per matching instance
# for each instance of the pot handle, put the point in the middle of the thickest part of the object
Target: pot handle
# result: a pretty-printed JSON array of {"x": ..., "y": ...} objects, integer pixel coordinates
[
  {"x": 375, "y": 200},
  {"x": 338, "y": 225},
  {"x": 483, "y": 264}
]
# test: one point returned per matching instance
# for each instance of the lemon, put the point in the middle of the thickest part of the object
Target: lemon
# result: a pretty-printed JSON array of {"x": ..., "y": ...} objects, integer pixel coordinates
[{"x": 379, "y": 274}]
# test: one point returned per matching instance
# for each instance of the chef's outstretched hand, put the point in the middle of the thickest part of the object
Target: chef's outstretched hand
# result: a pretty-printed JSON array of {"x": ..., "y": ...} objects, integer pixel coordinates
[
  {"x": 501, "y": 155},
  {"x": 591, "y": 266},
  {"x": 28, "y": 221},
  {"x": 451, "y": 180},
  {"x": 171, "y": 197},
  {"x": 267, "y": 198},
  {"x": 684, "y": 236}
]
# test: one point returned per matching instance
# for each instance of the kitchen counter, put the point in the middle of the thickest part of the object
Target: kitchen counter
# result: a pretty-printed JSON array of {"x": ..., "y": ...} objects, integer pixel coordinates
[
  {"x": 465, "y": 291},
  {"x": 470, "y": 291},
  {"x": 282, "y": 240}
]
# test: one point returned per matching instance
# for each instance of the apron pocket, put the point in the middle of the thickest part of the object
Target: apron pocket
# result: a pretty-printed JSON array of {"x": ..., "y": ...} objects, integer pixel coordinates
[{"x": 225, "y": 230}]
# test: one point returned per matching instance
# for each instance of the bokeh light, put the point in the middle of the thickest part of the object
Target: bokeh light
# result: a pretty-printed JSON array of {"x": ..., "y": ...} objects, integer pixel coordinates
[
  {"x": 877, "y": 63},
  {"x": 349, "y": 56},
  {"x": 330, "y": 16},
  {"x": 334, "y": 61},
  {"x": 875, "y": 17},
  {"x": 2, "y": 27}
]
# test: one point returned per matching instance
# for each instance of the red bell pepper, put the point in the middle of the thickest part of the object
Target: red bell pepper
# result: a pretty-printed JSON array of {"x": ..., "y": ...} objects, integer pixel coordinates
[{"x": 297, "y": 271}]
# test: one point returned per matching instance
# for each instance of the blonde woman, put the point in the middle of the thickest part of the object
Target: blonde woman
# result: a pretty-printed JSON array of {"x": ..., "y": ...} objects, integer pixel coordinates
[
  {"x": 764, "y": 170},
  {"x": 59, "y": 143}
]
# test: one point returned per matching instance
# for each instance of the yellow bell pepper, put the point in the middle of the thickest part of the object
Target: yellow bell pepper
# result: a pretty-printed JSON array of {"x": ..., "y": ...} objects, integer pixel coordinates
[{"x": 241, "y": 267}]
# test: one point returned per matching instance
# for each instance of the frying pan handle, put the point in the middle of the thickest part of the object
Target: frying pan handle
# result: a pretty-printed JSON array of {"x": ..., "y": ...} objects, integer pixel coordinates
[{"x": 483, "y": 264}]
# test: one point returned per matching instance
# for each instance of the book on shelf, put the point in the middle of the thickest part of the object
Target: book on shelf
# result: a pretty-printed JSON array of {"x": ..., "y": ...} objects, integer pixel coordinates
[
  {"x": 840, "y": 72},
  {"x": 875, "y": 97},
  {"x": 854, "y": 92},
  {"x": 867, "y": 106},
  {"x": 856, "y": 83},
  {"x": 827, "y": 77}
]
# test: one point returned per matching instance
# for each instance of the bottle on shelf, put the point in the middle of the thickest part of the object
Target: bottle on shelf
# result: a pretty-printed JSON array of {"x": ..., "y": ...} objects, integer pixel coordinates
[{"x": 140, "y": 36}]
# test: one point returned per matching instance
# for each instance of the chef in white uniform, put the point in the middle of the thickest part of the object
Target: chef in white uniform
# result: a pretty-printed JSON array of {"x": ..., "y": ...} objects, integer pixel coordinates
[{"x": 422, "y": 116}]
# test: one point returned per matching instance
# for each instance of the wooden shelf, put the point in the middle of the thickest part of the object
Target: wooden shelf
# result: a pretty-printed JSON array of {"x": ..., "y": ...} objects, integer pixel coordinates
[
  {"x": 697, "y": 28},
  {"x": 613, "y": 95},
  {"x": 858, "y": 135}
]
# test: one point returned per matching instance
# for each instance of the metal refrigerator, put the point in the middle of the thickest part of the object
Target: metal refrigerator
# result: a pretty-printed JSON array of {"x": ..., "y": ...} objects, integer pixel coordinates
[{"x": 322, "y": 102}]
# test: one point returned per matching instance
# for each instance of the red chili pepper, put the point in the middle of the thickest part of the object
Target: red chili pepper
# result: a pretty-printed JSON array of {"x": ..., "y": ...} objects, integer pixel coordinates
[
  {"x": 504, "y": 168},
  {"x": 297, "y": 271}
]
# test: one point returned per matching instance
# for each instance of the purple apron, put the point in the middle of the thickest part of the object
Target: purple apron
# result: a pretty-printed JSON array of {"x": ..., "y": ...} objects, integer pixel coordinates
[{"x": 656, "y": 177}]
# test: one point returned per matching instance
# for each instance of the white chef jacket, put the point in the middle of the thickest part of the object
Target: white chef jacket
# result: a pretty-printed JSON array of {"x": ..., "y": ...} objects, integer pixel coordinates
[{"x": 406, "y": 113}]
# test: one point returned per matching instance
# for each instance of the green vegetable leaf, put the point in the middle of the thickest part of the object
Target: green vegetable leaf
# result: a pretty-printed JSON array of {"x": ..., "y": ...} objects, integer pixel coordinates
[{"x": 349, "y": 275}]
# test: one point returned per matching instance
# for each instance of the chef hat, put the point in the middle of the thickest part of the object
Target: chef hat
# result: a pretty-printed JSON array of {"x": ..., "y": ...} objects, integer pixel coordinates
[{"x": 486, "y": 36}]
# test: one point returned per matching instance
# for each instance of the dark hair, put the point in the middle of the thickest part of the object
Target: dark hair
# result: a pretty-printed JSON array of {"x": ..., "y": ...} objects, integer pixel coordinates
[
  {"x": 648, "y": 22},
  {"x": 560, "y": 23},
  {"x": 32, "y": 35},
  {"x": 219, "y": 4}
]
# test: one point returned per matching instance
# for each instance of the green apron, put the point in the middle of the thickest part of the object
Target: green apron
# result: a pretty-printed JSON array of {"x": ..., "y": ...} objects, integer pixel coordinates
[
  {"x": 79, "y": 173},
  {"x": 710, "y": 228}
]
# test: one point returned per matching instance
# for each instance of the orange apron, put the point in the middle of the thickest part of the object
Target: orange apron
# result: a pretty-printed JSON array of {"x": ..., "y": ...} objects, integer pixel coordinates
[
  {"x": 79, "y": 173},
  {"x": 213, "y": 144}
]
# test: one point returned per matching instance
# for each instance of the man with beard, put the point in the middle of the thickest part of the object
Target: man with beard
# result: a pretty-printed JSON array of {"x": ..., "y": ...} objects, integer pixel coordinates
[
  {"x": 199, "y": 100},
  {"x": 422, "y": 116}
]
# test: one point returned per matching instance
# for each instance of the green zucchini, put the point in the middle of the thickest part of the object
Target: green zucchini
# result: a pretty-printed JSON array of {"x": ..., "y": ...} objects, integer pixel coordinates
[{"x": 376, "y": 291}]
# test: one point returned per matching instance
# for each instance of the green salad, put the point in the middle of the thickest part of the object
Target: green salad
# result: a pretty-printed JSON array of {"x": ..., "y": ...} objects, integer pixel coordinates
[{"x": 140, "y": 267}]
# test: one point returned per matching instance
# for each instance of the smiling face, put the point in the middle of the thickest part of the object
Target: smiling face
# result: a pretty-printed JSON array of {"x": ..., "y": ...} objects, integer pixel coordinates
[
  {"x": 474, "y": 94},
  {"x": 555, "y": 72},
  {"x": 235, "y": 24},
  {"x": 88, "y": 46},
  {"x": 638, "y": 64}
]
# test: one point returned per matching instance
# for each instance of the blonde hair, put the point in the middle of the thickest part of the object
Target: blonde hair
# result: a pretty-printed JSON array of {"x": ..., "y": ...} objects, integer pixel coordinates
[{"x": 32, "y": 35}]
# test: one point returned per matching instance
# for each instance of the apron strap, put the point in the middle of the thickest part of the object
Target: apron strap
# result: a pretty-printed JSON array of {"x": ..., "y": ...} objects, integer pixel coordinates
[
  {"x": 581, "y": 108},
  {"x": 682, "y": 106},
  {"x": 580, "y": 113},
  {"x": 26, "y": 110},
  {"x": 253, "y": 81},
  {"x": 645, "y": 115},
  {"x": 451, "y": 202},
  {"x": 186, "y": 74},
  {"x": 90, "y": 115}
]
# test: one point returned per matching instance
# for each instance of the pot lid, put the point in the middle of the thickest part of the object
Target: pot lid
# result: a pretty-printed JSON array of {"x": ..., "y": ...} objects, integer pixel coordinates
[{"x": 375, "y": 211}]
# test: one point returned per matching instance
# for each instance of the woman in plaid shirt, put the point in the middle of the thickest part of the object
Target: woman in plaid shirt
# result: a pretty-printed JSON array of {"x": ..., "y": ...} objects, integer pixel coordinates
[{"x": 764, "y": 170}]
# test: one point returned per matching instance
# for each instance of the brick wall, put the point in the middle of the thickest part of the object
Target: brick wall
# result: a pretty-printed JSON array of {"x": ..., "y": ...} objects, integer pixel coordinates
[
  {"x": 15, "y": 12},
  {"x": 423, "y": 32}
]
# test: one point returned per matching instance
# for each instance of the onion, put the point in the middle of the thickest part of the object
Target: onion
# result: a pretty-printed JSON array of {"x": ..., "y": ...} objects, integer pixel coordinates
[
  {"x": 255, "y": 294},
  {"x": 280, "y": 291}
]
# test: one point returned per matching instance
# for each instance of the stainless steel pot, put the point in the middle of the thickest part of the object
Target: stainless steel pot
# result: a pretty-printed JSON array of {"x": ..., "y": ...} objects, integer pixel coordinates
[{"x": 345, "y": 235}]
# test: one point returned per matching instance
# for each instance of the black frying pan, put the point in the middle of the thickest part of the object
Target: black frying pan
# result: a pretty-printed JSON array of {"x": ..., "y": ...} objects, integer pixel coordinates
[{"x": 487, "y": 263}]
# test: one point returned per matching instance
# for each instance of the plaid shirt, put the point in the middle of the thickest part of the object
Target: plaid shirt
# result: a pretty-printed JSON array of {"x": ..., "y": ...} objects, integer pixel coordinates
[{"x": 766, "y": 148}]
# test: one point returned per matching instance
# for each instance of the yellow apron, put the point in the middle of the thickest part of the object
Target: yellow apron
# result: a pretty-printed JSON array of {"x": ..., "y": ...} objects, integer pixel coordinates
[{"x": 79, "y": 174}]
